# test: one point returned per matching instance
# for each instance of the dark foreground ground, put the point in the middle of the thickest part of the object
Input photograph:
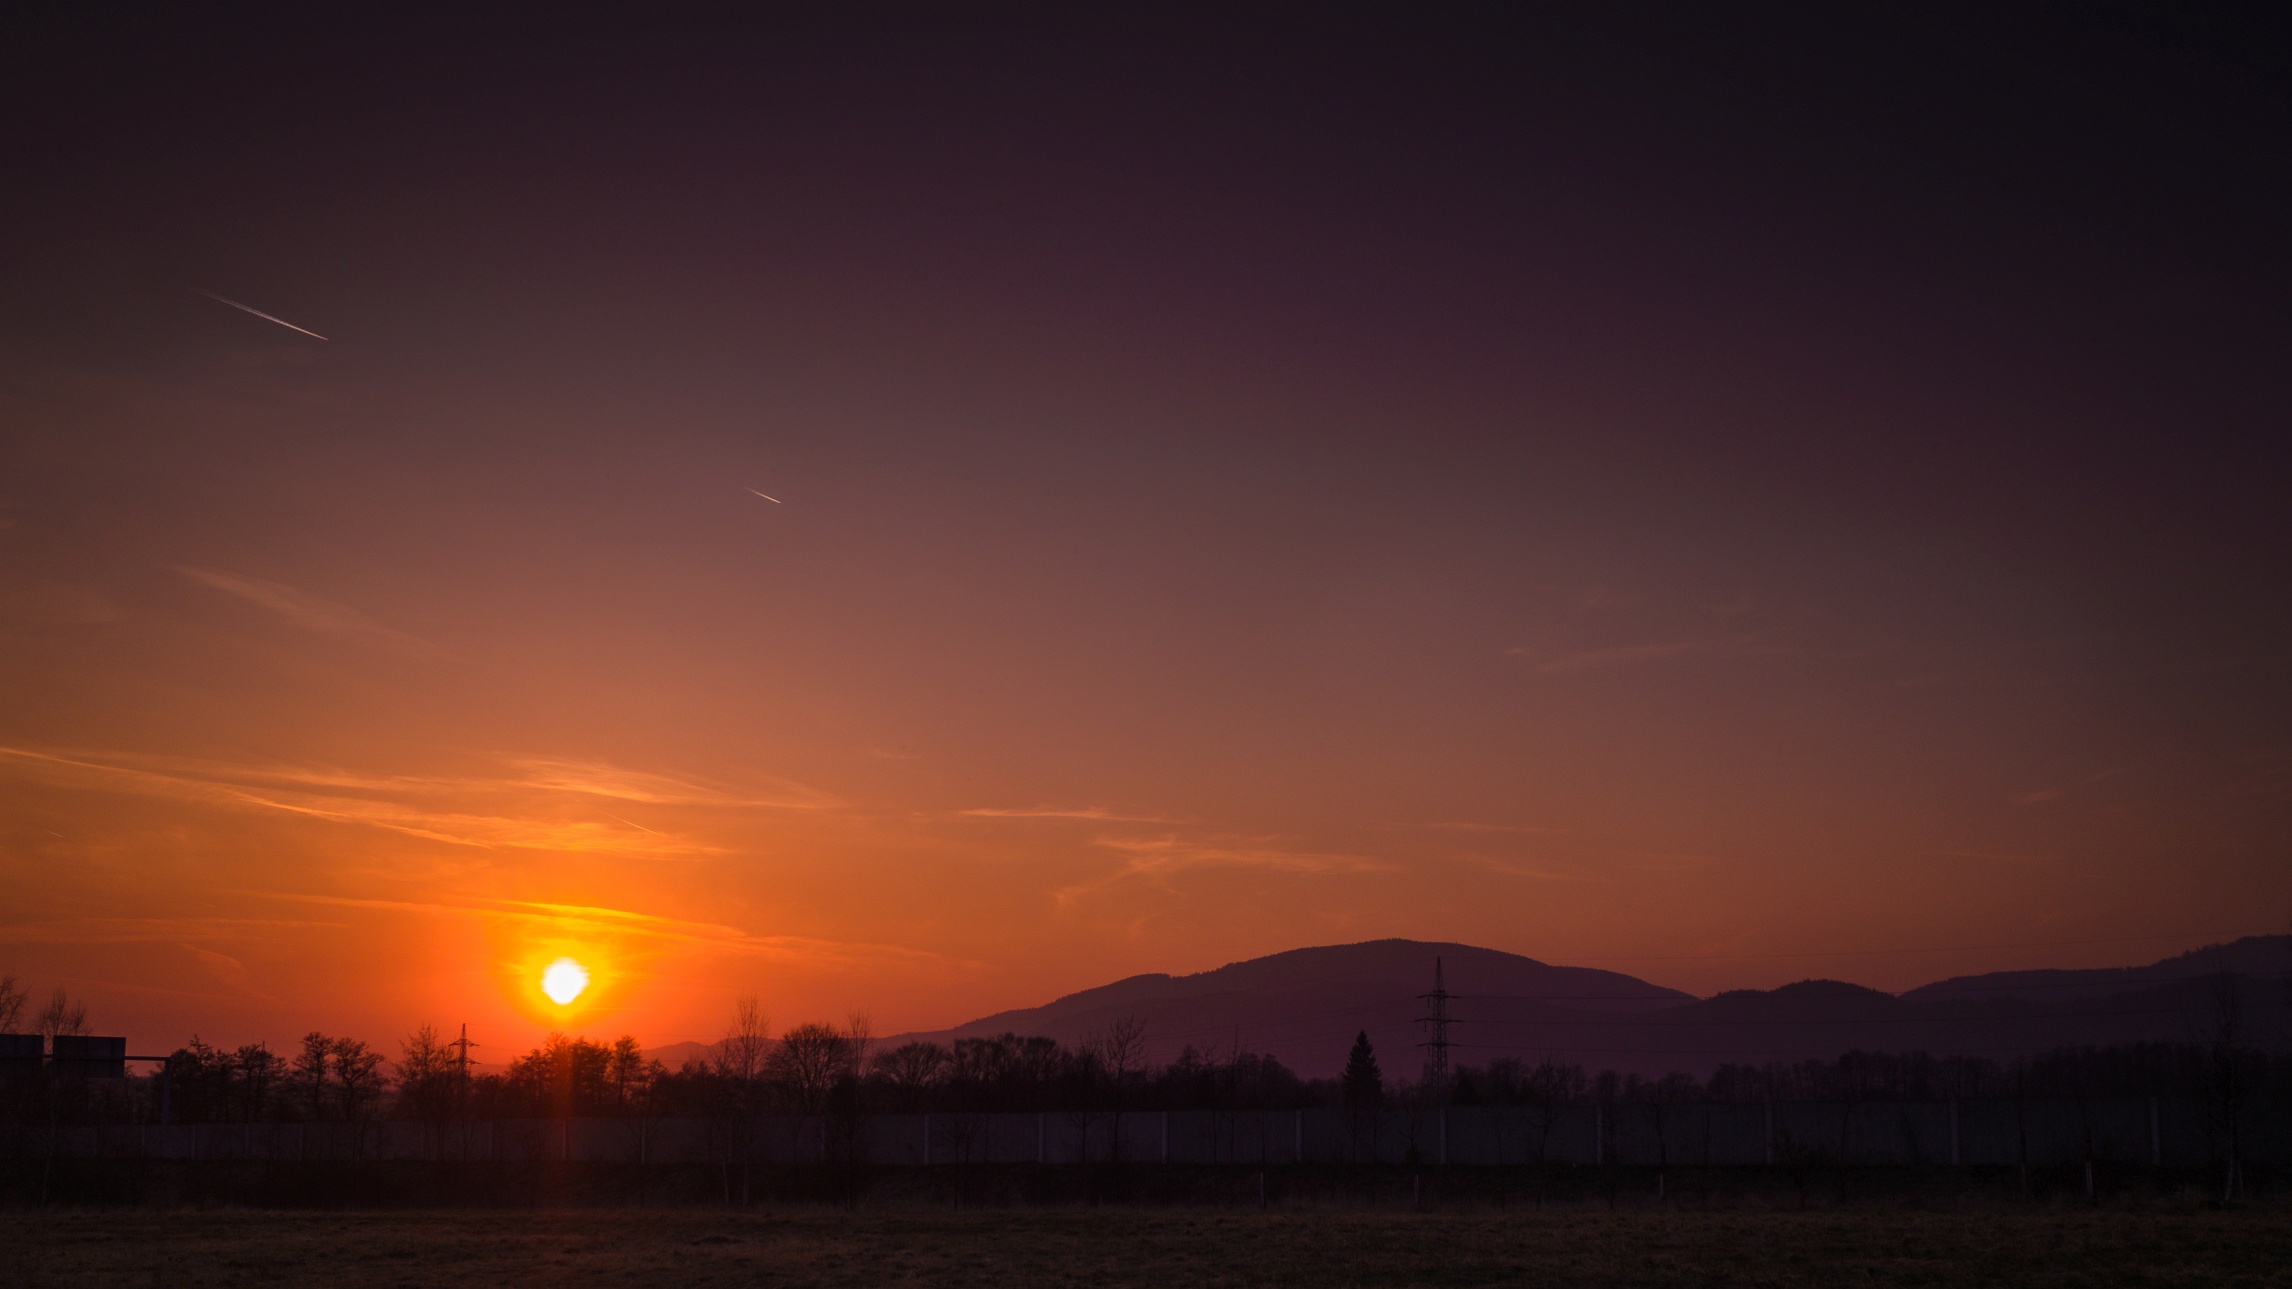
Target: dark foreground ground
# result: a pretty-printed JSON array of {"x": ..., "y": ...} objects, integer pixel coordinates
[{"x": 1111, "y": 1248}]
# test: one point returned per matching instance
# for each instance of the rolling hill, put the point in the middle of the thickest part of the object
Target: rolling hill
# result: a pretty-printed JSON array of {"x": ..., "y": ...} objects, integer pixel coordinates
[{"x": 1304, "y": 1006}]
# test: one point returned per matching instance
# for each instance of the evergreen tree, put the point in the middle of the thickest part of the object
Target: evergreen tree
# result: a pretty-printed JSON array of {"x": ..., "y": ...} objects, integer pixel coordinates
[{"x": 1364, "y": 1083}]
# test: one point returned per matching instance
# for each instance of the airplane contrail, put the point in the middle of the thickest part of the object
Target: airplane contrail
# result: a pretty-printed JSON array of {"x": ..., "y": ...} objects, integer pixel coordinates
[
  {"x": 769, "y": 497},
  {"x": 260, "y": 314}
]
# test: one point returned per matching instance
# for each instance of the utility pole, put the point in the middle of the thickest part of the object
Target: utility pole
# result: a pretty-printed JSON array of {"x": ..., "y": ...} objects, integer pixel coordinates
[{"x": 1436, "y": 1046}]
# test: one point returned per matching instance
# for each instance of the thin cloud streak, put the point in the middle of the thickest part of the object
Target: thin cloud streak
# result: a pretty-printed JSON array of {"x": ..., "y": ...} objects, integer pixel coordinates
[
  {"x": 591, "y": 778},
  {"x": 305, "y": 610},
  {"x": 93, "y": 930},
  {"x": 597, "y": 919},
  {"x": 1163, "y": 857},
  {"x": 1458, "y": 825},
  {"x": 1097, "y": 814},
  {"x": 1507, "y": 868},
  {"x": 396, "y": 803}
]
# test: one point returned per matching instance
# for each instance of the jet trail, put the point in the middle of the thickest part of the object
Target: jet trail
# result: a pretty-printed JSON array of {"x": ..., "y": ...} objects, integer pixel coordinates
[
  {"x": 260, "y": 314},
  {"x": 768, "y": 497}
]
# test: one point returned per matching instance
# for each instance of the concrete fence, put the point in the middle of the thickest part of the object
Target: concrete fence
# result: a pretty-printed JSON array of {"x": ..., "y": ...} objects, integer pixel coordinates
[{"x": 2143, "y": 1130}]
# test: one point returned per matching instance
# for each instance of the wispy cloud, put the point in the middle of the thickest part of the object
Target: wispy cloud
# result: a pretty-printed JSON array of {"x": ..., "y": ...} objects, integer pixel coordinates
[
  {"x": 1513, "y": 868},
  {"x": 596, "y": 779},
  {"x": 1458, "y": 825},
  {"x": 604, "y": 922},
  {"x": 1167, "y": 856},
  {"x": 92, "y": 930},
  {"x": 224, "y": 968},
  {"x": 1097, "y": 813},
  {"x": 1170, "y": 854},
  {"x": 536, "y": 806},
  {"x": 305, "y": 610},
  {"x": 1628, "y": 655}
]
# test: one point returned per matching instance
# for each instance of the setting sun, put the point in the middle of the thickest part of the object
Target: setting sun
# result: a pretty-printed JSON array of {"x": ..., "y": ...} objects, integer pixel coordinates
[{"x": 564, "y": 980}]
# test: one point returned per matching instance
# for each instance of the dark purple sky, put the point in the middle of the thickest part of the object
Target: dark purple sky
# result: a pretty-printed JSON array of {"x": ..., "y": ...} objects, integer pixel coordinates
[{"x": 1712, "y": 494}]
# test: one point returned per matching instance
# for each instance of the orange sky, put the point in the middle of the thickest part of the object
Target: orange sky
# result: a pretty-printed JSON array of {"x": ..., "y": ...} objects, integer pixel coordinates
[{"x": 1218, "y": 513}]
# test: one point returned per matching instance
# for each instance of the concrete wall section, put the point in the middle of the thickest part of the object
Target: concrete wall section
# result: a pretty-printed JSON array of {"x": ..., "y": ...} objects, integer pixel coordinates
[{"x": 2109, "y": 1130}]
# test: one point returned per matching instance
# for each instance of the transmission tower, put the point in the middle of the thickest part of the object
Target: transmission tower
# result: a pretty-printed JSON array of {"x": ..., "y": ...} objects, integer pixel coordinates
[
  {"x": 461, "y": 1047},
  {"x": 1436, "y": 1043}
]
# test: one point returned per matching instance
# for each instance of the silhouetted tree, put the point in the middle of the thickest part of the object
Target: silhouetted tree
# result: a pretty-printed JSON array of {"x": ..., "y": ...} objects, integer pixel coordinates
[
  {"x": 309, "y": 1072},
  {"x": 631, "y": 1075},
  {"x": 911, "y": 1072},
  {"x": 62, "y": 1016},
  {"x": 200, "y": 1082},
  {"x": 1363, "y": 1082},
  {"x": 358, "y": 1077},
  {"x": 747, "y": 1045},
  {"x": 730, "y": 1089},
  {"x": 1363, "y": 1085},
  {"x": 1120, "y": 1052},
  {"x": 564, "y": 1077},
  {"x": 428, "y": 1076},
  {"x": 807, "y": 1062},
  {"x": 257, "y": 1068},
  {"x": 12, "y": 999}
]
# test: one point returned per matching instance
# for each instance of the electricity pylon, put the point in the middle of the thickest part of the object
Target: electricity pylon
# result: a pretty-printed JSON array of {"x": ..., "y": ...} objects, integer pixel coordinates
[{"x": 1436, "y": 1044}]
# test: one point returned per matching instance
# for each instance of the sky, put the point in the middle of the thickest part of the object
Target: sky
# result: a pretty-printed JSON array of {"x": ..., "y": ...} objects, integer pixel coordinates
[{"x": 916, "y": 512}]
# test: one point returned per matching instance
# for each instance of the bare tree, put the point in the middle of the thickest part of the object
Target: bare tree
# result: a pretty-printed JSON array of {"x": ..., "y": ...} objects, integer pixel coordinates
[
  {"x": 1552, "y": 1084},
  {"x": 911, "y": 1070},
  {"x": 740, "y": 1057},
  {"x": 740, "y": 1062},
  {"x": 851, "y": 1126},
  {"x": 427, "y": 1075},
  {"x": 12, "y": 999},
  {"x": 807, "y": 1061},
  {"x": 309, "y": 1071},
  {"x": 62, "y": 1016},
  {"x": 1121, "y": 1053},
  {"x": 859, "y": 1031},
  {"x": 358, "y": 1077},
  {"x": 257, "y": 1068}
]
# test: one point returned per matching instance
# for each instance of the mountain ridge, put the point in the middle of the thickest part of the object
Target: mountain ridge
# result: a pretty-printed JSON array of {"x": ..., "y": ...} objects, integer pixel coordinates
[{"x": 1304, "y": 1006}]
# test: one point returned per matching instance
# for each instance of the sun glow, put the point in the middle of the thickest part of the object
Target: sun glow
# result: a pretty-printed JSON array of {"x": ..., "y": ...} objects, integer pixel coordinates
[{"x": 563, "y": 980}]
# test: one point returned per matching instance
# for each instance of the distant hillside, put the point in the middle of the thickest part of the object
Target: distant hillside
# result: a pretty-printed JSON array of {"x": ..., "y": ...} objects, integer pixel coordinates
[
  {"x": 2259, "y": 956},
  {"x": 676, "y": 1055},
  {"x": 1304, "y": 1006}
]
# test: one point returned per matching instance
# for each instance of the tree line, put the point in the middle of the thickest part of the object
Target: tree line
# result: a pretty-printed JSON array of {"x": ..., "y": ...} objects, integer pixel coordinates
[
  {"x": 818, "y": 1068},
  {"x": 821, "y": 1068}
]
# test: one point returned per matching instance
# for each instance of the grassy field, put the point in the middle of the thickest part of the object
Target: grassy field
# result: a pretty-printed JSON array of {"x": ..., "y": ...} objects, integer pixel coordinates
[{"x": 1107, "y": 1249}]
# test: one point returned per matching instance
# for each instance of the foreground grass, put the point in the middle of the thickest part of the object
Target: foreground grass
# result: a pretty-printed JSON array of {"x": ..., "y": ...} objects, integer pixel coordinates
[{"x": 1106, "y": 1249}]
